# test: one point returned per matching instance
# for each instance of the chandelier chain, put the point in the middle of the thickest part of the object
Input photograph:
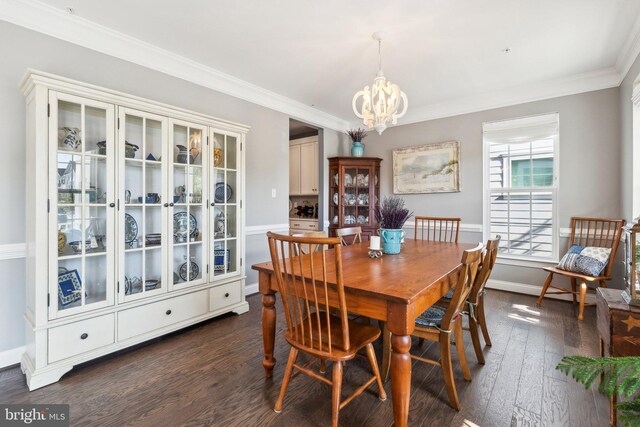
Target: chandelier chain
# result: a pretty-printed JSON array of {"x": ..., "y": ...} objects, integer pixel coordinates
[{"x": 379, "y": 54}]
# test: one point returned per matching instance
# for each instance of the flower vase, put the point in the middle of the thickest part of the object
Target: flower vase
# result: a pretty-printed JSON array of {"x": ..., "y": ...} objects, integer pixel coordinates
[
  {"x": 357, "y": 149},
  {"x": 391, "y": 240}
]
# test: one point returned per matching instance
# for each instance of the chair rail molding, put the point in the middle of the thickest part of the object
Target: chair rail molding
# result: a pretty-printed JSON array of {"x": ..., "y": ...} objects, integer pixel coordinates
[
  {"x": 252, "y": 230},
  {"x": 12, "y": 251}
]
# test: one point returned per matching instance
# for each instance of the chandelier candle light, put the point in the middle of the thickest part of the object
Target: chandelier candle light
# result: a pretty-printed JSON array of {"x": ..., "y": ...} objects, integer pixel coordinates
[{"x": 381, "y": 101}]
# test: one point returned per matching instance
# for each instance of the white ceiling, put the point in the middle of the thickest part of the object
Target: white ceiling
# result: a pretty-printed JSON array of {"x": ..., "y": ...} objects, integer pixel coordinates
[{"x": 440, "y": 52}]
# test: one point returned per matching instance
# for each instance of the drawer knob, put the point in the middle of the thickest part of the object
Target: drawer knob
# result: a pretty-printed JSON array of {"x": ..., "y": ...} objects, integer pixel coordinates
[
  {"x": 168, "y": 312},
  {"x": 226, "y": 295},
  {"x": 84, "y": 336}
]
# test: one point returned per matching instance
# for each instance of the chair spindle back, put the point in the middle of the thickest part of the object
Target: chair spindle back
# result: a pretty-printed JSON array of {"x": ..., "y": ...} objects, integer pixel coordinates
[
  {"x": 465, "y": 280},
  {"x": 485, "y": 268},
  {"x": 436, "y": 229},
  {"x": 356, "y": 232},
  {"x": 599, "y": 232},
  {"x": 303, "y": 282}
]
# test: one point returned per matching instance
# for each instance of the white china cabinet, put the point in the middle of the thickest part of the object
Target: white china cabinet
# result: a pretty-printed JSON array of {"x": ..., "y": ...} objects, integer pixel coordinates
[{"x": 135, "y": 222}]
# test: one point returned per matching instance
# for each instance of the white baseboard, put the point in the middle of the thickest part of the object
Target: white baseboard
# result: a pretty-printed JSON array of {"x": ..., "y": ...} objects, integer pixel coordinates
[
  {"x": 251, "y": 288},
  {"x": 11, "y": 357},
  {"x": 523, "y": 288}
]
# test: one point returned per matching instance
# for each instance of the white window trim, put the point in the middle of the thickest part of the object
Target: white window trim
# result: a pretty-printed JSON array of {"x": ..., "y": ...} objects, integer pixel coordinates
[{"x": 508, "y": 259}]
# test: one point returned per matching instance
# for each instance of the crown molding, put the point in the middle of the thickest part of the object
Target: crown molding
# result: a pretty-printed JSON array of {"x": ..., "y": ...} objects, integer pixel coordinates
[
  {"x": 587, "y": 82},
  {"x": 57, "y": 23},
  {"x": 630, "y": 51}
]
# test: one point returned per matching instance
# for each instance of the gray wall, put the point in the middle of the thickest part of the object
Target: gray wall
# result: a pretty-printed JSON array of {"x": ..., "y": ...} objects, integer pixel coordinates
[
  {"x": 626, "y": 136},
  {"x": 267, "y": 143},
  {"x": 589, "y": 151}
]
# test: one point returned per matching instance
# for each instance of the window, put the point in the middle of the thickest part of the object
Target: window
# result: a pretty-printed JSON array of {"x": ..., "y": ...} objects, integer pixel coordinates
[{"x": 520, "y": 188}]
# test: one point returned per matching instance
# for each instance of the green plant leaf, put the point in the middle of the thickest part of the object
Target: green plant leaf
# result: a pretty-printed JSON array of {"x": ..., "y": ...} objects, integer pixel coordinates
[
  {"x": 629, "y": 413},
  {"x": 620, "y": 375}
]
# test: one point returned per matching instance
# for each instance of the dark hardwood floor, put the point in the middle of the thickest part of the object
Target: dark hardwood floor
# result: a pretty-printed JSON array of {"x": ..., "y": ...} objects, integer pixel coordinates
[{"x": 210, "y": 374}]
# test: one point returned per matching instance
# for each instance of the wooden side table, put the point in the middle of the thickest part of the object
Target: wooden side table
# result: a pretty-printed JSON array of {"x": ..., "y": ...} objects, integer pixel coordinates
[{"x": 619, "y": 330}]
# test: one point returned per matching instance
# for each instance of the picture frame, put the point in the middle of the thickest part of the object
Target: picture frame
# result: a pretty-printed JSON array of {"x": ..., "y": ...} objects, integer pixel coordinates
[{"x": 430, "y": 168}]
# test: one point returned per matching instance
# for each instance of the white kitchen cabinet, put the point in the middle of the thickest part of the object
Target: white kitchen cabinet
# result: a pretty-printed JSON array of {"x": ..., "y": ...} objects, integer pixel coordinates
[
  {"x": 302, "y": 225},
  {"x": 303, "y": 166},
  {"x": 135, "y": 222}
]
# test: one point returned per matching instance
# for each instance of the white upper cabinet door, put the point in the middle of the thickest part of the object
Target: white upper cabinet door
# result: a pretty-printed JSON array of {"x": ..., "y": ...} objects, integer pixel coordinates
[
  {"x": 309, "y": 168},
  {"x": 294, "y": 170},
  {"x": 143, "y": 235},
  {"x": 187, "y": 204},
  {"x": 83, "y": 206}
]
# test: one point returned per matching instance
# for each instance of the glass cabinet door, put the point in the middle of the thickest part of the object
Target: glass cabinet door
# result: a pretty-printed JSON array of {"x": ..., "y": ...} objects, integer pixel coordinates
[
  {"x": 225, "y": 210},
  {"x": 142, "y": 215},
  {"x": 335, "y": 197},
  {"x": 187, "y": 180},
  {"x": 82, "y": 204}
]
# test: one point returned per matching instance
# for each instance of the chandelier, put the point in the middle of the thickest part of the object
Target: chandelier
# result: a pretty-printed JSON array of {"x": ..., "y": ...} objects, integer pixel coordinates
[{"x": 381, "y": 101}]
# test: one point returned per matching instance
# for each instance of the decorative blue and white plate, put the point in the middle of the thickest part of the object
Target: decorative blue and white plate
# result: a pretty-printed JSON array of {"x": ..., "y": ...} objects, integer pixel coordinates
[
  {"x": 219, "y": 193},
  {"x": 69, "y": 287},
  {"x": 183, "y": 221},
  {"x": 193, "y": 274},
  {"x": 130, "y": 228}
]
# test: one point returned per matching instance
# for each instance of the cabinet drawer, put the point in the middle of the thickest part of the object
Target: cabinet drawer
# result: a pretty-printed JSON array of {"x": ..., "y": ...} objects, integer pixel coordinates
[
  {"x": 80, "y": 337},
  {"x": 140, "y": 320},
  {"x": 304, "y": 225},
  {"x": 224, "y": 295}
]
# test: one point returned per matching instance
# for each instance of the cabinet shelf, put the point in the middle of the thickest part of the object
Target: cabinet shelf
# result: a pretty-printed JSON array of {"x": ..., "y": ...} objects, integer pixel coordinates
[{"x": 80, "y": 256}]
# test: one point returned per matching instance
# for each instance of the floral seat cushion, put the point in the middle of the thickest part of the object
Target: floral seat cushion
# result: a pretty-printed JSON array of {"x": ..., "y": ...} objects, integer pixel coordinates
[{"x": 587, "y": 260}]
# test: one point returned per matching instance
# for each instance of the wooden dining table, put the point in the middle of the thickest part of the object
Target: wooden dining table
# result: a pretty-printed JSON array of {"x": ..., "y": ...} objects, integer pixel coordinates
[{"x": 394, "y": 289}]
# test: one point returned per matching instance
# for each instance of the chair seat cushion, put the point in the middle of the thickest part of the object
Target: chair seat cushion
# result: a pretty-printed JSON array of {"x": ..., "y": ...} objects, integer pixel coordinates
[
  {"x": 432, "y": 317},
  {"x": 449, "y": 294},
  {"x": 587, "y": 260}
]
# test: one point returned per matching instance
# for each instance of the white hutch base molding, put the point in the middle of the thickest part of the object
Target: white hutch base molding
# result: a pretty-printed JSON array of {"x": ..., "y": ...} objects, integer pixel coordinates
[{"x": 51, "y": 373}]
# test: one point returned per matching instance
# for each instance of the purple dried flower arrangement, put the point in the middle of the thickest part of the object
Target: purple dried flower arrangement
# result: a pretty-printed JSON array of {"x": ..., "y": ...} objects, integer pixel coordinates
[
  {"x": 392, "y": 214},
  {"x": 357, "y": 134}
]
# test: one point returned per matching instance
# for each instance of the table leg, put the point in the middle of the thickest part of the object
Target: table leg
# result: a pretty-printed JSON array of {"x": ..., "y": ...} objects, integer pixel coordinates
[
  {"x": 400, "y": 378},
  {"x": 268, "y": 332}
]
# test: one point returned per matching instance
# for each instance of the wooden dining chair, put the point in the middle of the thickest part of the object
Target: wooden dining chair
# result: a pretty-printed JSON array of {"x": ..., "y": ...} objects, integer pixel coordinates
[
  {"x": 436, "y": 229},
  {"x": 306, "y": 249},
  {"x": 303, "y": 285},
  {"x": 440, "y": 320},
  {"x": 475, "y": 300},
  {"x": 356, "y": 232},
  {"x": 596, "y": 232}
]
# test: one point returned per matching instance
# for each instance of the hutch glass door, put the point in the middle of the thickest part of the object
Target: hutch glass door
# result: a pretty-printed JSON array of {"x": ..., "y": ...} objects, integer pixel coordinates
[
  {"x": 142, "y": 234},
  {"x": 82, "y": 204},
  {"x": 188, "y": 204},
  {"x": 225, "y": 201}
]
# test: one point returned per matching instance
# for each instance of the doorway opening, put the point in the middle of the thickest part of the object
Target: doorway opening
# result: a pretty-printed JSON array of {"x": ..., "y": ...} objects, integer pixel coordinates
[{"x": 305, "y": 177}]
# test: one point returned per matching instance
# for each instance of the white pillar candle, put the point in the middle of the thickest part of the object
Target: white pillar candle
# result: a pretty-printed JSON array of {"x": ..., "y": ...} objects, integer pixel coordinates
[{"x": 374, "y": 243}]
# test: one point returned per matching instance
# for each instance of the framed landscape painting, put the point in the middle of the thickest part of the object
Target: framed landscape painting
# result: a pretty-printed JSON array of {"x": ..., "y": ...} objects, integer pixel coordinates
[{"x": 431, "y": 168}]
